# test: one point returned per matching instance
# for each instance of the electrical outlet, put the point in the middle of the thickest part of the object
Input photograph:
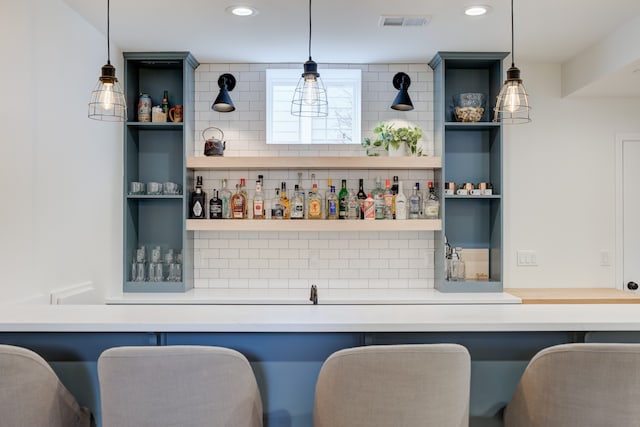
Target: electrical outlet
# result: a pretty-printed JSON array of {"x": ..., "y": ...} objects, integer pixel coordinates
[
  {"x": 605, "y": 259},
  {"x": 526, "y": 258}
]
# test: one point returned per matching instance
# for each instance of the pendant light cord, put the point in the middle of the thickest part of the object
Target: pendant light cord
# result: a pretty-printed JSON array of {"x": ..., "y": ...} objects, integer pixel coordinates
[
  {"x": 108, "y": 38},
  {"x": 513, "y": 55},
  {"x": 310, "y": 29}
]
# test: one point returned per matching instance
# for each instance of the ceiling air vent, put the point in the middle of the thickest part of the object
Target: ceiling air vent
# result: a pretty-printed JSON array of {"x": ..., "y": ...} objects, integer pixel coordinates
[{"x": 404, "y": 21}]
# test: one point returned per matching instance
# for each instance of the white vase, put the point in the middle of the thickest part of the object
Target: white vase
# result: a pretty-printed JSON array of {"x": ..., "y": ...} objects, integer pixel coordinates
[{"x": 400, "y": 152}]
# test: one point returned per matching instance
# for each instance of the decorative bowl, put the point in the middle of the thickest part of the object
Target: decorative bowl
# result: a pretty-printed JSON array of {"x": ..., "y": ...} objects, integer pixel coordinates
[{"x": 469, "y": 106}]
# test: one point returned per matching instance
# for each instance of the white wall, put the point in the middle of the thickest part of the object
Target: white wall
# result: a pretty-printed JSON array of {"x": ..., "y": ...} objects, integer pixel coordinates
[
  {"x": 560, "y": 184},
  {"x": 60, "y": 219}
]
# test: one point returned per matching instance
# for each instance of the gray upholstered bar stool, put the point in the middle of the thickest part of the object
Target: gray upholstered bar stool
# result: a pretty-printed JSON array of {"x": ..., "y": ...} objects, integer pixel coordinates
[
  {"x": 395, "y": 385},
  {"x": 32, "y": 395},
  {"x": 578, "y": 385},
  {"x": 177, "y": 386}
]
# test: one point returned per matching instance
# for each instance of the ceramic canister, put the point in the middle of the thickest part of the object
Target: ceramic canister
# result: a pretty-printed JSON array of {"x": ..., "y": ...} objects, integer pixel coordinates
[{"x": 144, "y": 108}]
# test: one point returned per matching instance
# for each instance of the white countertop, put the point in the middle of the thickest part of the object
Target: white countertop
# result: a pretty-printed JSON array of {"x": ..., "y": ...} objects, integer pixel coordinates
[
  {"x": 319, "y": 318},
  {"x": 325, "y": 296}
]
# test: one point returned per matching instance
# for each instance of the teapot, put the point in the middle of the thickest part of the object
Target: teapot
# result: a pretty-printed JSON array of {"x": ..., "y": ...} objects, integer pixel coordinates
[{"x": 214, "y": 146}]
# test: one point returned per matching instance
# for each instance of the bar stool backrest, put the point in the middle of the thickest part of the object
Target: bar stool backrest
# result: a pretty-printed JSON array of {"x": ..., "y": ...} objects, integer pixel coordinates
[
  {"x": 396, "y": 385},
  {"x": 586, "y": 385},
  {"x": 177, "y": 386},
  {"x": 31, "y": 394}
]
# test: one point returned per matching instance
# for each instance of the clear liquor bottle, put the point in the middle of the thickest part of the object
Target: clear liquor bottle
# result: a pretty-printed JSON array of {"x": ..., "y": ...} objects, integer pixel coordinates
[
  {"x": 343, "y": 201},
  {"x": 332, "y": 204},
  {"x": 353, "y": 207},
  {"x": 258, "y": 202},
  {"x": 414, "y": 204},
  {"x": 378, "y": 199},
  {"x": 315, "y": 203},
  {"x": 432, "y": 203},
  {"x": 297, "y": 203},
  {"x": 401, "y": 203},
  {"x": 225, "y": 195},
  {"x": 243, "y": 191},
  {"x": 388, "y": 201}
]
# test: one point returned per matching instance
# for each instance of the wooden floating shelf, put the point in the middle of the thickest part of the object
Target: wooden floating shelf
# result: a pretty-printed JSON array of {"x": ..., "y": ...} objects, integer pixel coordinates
[
  {"x": 346, "y": 162},
  {"x": 312, "y": 225}
]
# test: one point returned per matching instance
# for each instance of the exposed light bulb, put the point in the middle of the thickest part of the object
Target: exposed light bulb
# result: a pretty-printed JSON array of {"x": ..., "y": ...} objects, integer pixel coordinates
[
  {"x": 311, "y": 91},
  {"x": 512, "y": 99},
  {"x": 106, "y": 96}
]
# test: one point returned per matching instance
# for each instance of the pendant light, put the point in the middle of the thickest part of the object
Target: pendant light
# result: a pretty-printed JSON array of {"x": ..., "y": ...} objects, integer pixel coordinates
[
  {"x": 512, "y": 106},
  {"x": 310, "y": 96},
  {"x": 107, "y": 99}
]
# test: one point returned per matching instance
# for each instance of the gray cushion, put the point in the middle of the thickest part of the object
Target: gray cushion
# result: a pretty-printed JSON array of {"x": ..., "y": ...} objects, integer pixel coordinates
[
  {"x": 177, "y": 386},
  {"x": 395, "y": 385},
  {"x": 31, "y": 395},
  {"x": 581, "y": 385}
]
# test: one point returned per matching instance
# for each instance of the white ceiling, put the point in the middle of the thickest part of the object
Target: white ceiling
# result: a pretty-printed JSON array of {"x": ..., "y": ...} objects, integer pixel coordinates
[{"x": 556, "y": 31}]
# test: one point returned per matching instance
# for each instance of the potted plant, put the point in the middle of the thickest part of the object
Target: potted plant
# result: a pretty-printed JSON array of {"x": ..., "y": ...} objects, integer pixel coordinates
[{"x": 402, "y": 140}]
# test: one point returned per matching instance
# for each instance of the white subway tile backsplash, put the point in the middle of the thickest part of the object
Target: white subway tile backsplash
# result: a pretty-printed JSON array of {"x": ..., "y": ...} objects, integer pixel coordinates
[{"x": 281, "y": 260}]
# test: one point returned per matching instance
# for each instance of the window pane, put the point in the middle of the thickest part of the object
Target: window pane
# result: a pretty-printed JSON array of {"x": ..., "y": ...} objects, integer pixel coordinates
[{"x": 342, "y": 126}]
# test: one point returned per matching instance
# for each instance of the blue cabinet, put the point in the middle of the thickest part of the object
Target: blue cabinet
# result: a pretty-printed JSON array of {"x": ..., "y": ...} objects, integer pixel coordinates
[
  {"x": 156, "y": 152},
  {"x": 471, "y": 153}
]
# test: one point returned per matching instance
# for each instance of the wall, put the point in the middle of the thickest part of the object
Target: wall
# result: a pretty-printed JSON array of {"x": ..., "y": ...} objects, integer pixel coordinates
[
  {"x": 560, "y": 184},
  {"x": 565, "y": 158},
  {"x": 297, "y": 260},
  {"x": 60, "y": 219}
]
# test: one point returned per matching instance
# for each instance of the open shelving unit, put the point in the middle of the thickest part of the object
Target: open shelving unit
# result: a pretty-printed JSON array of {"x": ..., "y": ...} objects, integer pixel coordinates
[{"x": 471, "y": 152}]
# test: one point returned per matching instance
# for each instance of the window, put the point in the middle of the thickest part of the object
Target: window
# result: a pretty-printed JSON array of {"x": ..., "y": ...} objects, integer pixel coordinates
[{"x": 341, "y": 126}]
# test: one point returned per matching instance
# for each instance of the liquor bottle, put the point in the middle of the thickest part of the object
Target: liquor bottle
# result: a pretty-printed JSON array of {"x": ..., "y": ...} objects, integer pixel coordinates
[
  {"x": 388, "y": 201},
  {"x": 362, "y": 196},
  {"x": 277, "y": 211},
  {"x": 315, "y": 203},
  {"x": 284, "y": 201},
  {"x": 394, "y": 191},
  {"x": 225, "y": 195},
  {"x": 304, "y": 194},
  {"x": 378, "y": 198},
  {"x": 414, "y": 204},
  {"x": 238, "y": 203},
  {"x": 326, "y": 196},
  {"x": 258, "y": 202},
  {"x": 198, "y": 197},
  {"x": 369, "y": 208},
  {"x": 332, "y": 204},
  {"x": 308, "y": 207},
  {"x": 432, "y": 203},
  {"x": 353, "y": 206},
  {"x": 215, "y": 206},
  {"x": 243, "y": 191},
  {"x": 297, "y": 203},
  {"x": 401, "y": 203},
  {"x": 343, "y": 201},
  {"x": 421, "y": 201},
  {"x": 165, "y": 102}
]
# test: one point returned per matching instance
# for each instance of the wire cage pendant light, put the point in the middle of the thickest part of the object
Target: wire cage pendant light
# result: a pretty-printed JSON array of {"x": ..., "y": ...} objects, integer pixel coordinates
[
  {"x": 310, "y": 95},
  {"x": 107, "y": 101},
  {"x": 512, "y": 106}
]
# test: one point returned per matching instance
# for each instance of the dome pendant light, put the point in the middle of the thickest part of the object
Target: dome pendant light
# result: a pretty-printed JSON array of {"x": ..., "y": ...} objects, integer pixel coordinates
[
  {"x": 512, "y": 106},
  {"x": 310, "y": 96},
  {"x": 107, "y": 99}
]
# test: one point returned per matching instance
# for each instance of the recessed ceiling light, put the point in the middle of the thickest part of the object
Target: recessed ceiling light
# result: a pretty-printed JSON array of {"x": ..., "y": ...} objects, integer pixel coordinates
[
  {"x": 477, "y": 10},
  {"x": 241, "y": 10}
]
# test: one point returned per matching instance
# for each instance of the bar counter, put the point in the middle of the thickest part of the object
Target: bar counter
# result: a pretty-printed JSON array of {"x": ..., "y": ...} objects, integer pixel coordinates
[{"x": 320, "y": 318}]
